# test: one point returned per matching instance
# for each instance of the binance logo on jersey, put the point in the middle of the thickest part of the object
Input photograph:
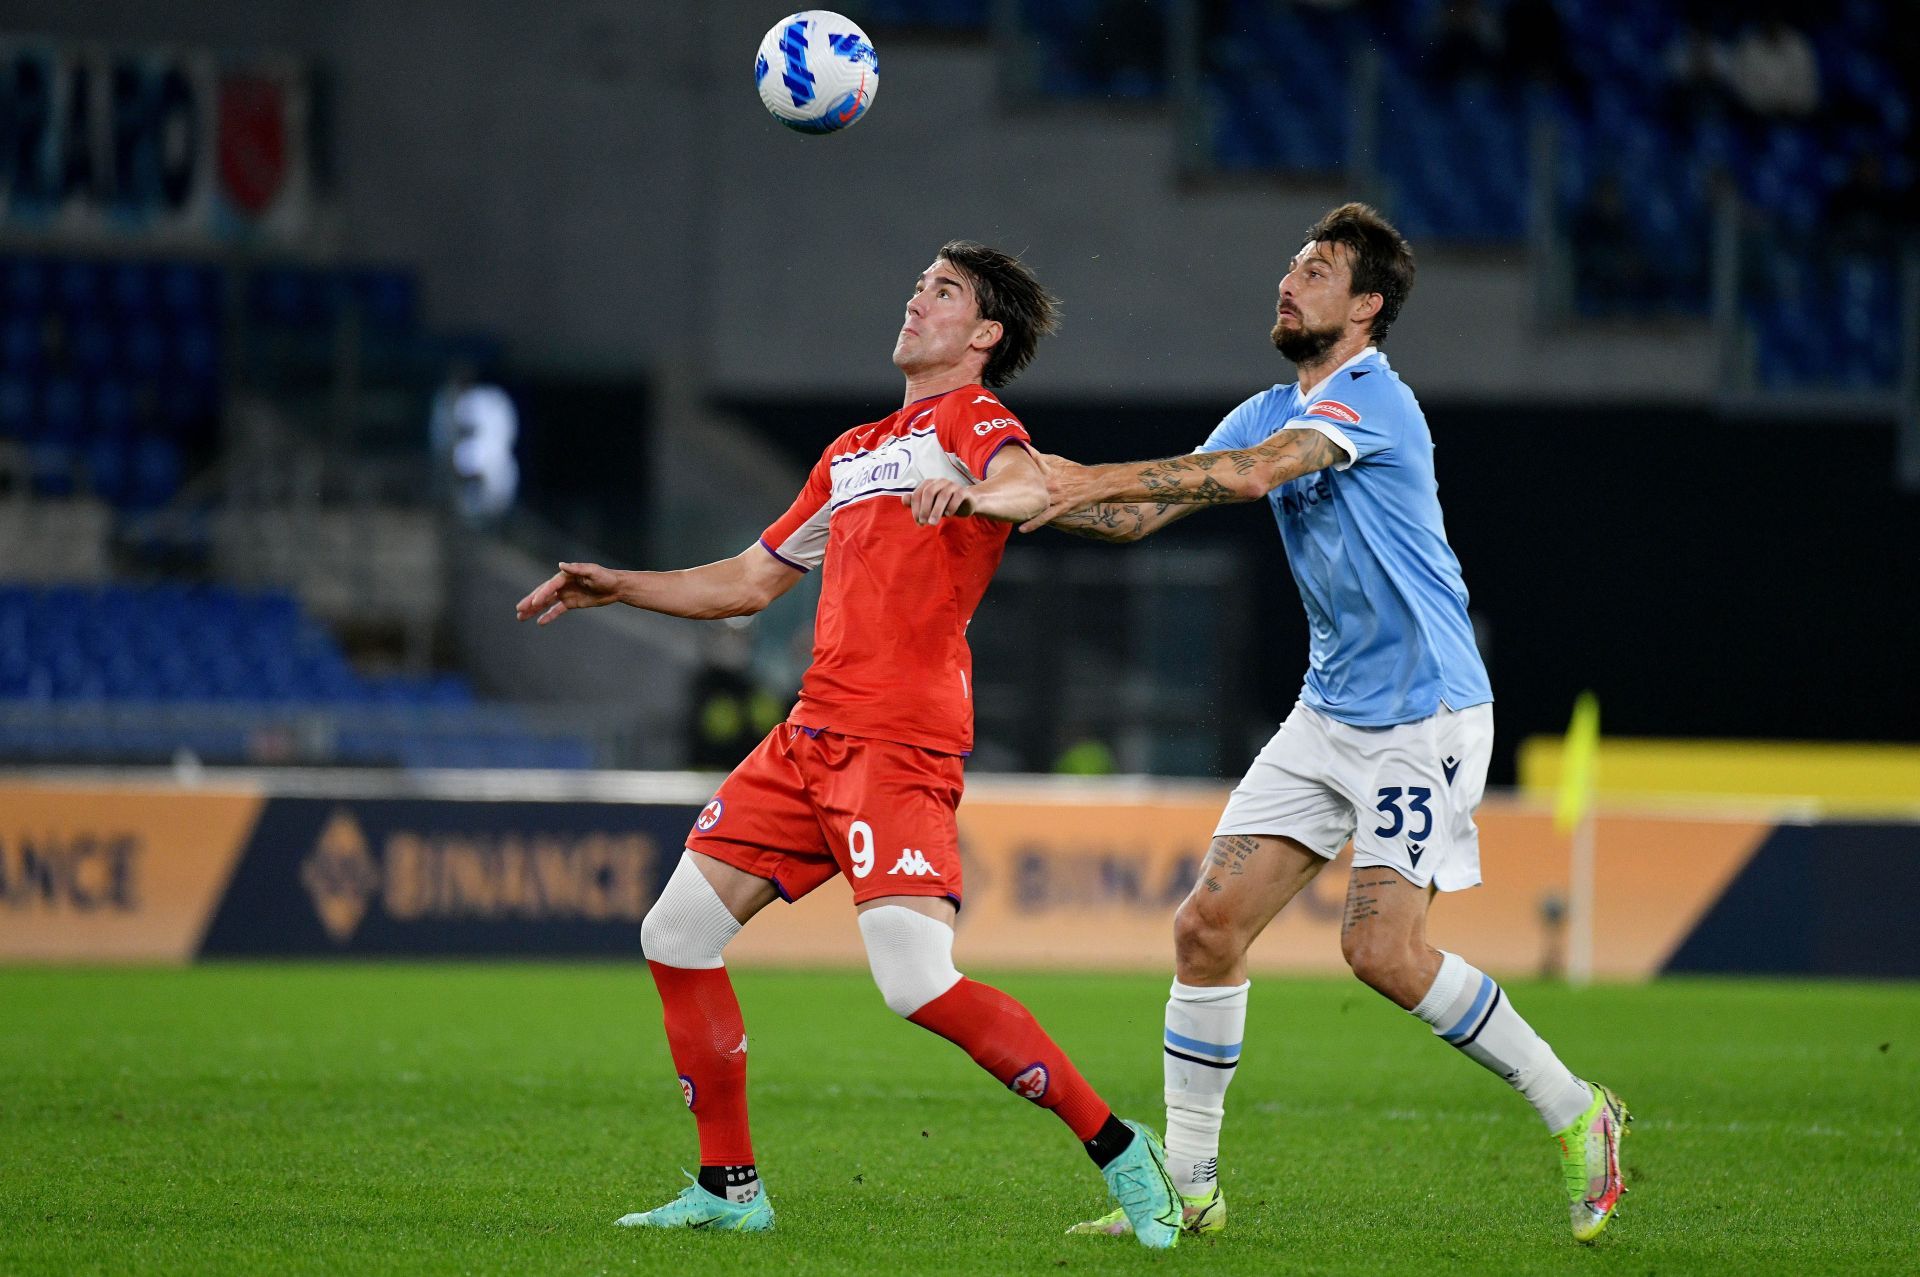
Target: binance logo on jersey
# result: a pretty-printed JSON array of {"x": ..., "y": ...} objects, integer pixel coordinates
[{"x": 1297, "y": 499}]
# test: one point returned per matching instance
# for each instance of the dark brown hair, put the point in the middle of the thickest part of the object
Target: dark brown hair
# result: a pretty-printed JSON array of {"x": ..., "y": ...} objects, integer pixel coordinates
[
  {"x": 1007, "y": 293},
  {"x": 1378, "y": 255}
]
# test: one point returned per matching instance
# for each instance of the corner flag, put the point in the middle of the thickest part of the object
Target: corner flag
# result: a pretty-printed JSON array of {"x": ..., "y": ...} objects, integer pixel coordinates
[{"x": 1578, "y": 764}]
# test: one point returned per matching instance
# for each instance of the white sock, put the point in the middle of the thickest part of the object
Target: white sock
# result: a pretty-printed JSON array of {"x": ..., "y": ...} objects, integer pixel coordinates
[
  {"x": 1468, "y": 1010},
  {"x": 1205, "y": 1027}
]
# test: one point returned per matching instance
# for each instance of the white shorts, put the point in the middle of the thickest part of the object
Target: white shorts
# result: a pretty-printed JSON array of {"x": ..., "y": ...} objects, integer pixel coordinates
[{"x": 1405, "y": 795}]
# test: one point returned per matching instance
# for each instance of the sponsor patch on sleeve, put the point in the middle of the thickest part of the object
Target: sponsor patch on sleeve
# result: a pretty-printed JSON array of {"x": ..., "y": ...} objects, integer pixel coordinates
[{"x": 1334, "y": 409}]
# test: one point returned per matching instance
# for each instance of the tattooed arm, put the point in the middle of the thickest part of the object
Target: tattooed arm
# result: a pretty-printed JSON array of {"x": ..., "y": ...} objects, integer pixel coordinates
[
  {"x": 1120, "y": 523},
  {"x": 1199, "y": 478}
]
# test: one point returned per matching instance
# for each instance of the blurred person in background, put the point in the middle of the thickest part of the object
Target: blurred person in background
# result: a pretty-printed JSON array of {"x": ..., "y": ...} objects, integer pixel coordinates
[
  {"x": 1534, "y": 47},
  {"x": 728, "y": 711},
  {"x": 1612, "y": 271},
  {"x": 1865, "y": 214},
  {"x": 1772, "y": 71},
  {"x": 1698, "y": 78},
  {"x": 864, "y": 777},
  {"x": 1389, "y": 745},
  {"x": 1464, "y": 43}
]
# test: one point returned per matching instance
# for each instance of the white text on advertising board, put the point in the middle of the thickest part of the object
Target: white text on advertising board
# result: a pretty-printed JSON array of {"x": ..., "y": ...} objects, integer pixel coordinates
[{"x": 534, "y": 877}]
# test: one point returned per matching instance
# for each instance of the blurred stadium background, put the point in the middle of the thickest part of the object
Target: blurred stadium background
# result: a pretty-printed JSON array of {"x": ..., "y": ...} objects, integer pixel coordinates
[
  {"x": 326, "y": 329},
  {"x": 324, "y": 332}
]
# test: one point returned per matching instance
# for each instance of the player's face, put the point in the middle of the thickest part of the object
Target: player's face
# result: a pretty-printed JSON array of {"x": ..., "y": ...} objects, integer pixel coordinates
[
  {"x": 1315, "y": 303},
  {"x": 942, "y": 322}
]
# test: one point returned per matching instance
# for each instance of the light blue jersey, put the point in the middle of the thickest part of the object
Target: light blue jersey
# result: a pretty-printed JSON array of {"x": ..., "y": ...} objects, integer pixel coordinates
[{"x": 1387, "y": 608}]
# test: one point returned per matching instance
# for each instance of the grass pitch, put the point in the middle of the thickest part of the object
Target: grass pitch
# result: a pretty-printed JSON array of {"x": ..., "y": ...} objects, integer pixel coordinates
[{"x": 496, "y": 1119}]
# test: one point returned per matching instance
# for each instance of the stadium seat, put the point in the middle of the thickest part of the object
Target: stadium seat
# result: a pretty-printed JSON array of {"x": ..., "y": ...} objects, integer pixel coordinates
[{"x": 213, "y": 647}]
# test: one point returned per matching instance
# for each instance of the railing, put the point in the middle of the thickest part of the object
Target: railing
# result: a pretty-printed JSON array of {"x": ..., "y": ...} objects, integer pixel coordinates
[{"x": 411, "y": 736}]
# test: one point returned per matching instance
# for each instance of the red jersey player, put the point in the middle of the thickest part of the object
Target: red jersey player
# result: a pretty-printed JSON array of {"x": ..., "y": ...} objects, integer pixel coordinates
[{"x": 864, "y": 776}]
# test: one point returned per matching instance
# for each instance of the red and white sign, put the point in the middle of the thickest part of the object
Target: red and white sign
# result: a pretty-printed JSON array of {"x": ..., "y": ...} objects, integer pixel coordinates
[{"x": 1336, "y": 410}]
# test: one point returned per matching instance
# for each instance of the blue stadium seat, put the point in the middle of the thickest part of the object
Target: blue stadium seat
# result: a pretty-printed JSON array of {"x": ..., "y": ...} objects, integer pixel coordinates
[
  {"x": 77, "y": 288},
  {"x": 131, "y": 289},
  {"x": 19, "y": 408},
  {"x": 28, "y": 284},
  {"x": 175, "y": 645},
  {"x": 22, "y": 348},
  {"x": 189, "y": 291}
]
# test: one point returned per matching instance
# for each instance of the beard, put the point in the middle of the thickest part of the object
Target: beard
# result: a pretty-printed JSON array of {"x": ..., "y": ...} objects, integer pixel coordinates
[{"x": 1303, "y": 345}]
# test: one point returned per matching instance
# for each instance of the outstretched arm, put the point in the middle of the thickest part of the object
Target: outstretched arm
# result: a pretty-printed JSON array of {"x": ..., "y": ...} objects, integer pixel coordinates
[
  {"x": 1014, "y": 489},
  {"x": 738, "y": 586},
  {"x": 1199, "y": 478},
  {"x": 1117, "y": 521}
]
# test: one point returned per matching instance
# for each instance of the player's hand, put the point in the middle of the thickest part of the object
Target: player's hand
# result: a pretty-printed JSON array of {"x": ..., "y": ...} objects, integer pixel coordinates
[
  {"x": 574, "y": 586},
  {"x": 937, "y": 499},
  {"x": 1067, "y": 487}
]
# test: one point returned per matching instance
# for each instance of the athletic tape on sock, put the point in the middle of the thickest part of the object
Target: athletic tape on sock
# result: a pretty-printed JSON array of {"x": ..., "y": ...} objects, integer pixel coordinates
[
  {"x": 910, "y": 955},
  {"x": 689, "y": 926}
]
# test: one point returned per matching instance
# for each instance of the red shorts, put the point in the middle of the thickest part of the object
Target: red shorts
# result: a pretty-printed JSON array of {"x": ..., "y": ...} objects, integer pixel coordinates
[{"x": 807, "y": 804}]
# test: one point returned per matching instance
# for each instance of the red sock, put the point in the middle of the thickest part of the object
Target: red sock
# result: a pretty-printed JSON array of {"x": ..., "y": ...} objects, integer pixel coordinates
[
  {"x": 709, "y": 1044},
  {"x": 1004, "y": 1039}
]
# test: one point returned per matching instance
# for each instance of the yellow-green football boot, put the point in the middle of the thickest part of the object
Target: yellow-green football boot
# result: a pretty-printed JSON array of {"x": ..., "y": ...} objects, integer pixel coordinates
[
  {"x": 1590, "y": 1163},
  {"x": 1206, "y": 1213}
]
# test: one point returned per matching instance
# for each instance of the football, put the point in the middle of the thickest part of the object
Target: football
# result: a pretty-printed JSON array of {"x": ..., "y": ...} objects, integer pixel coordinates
[{"x": 816, "y": 71}]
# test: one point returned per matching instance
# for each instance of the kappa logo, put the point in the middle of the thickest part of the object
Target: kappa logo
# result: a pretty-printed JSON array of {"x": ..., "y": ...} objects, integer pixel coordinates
[
  {"x": 1031, "y": 1083},
  {"x": 710, "y": 815},
  {"x": 1450, "y": 765},
  {"x": 997, "y": 423},
  {"x": 986, "y": 399},
  {"x": 913, "y": 863},
  {"x": 1335, "y": 409},
  {"x": 686, "y": 1089}
]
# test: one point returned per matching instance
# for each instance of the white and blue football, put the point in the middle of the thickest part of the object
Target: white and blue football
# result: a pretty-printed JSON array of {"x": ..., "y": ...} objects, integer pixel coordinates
[{"x": 817, "y": 71}]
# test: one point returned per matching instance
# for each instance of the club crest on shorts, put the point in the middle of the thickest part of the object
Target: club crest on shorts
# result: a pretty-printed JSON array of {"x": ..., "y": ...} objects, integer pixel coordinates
[
  {"x": 1030, "y": 1083},
  {"x": 710, "y": 815},
  {"x": 686, "y": 1089}
]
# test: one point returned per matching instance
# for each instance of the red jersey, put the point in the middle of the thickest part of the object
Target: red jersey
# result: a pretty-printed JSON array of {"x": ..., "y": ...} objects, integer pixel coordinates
[{"x": 890, "y": 657}]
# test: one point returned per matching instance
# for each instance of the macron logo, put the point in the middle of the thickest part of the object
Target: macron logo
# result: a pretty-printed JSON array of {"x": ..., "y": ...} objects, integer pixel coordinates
[{"x": 1336, "y": 410}]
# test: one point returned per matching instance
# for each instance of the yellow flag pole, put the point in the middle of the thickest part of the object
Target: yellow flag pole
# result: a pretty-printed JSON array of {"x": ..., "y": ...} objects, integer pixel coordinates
[{"x": 1574, "y": 813}]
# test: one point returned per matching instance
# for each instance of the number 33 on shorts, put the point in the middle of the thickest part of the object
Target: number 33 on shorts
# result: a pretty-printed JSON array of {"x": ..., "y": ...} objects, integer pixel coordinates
[{"x": 1415, "y": 814}]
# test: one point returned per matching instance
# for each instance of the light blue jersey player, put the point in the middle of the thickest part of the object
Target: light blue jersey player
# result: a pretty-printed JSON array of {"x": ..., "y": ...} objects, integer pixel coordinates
[
  {"x": 1388, "y": 745},
  {"x": 1366, "y": 540}
]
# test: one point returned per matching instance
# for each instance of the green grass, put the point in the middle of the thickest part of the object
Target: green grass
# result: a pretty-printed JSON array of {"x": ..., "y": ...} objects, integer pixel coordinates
[{"x": 496, "y": 1119}]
